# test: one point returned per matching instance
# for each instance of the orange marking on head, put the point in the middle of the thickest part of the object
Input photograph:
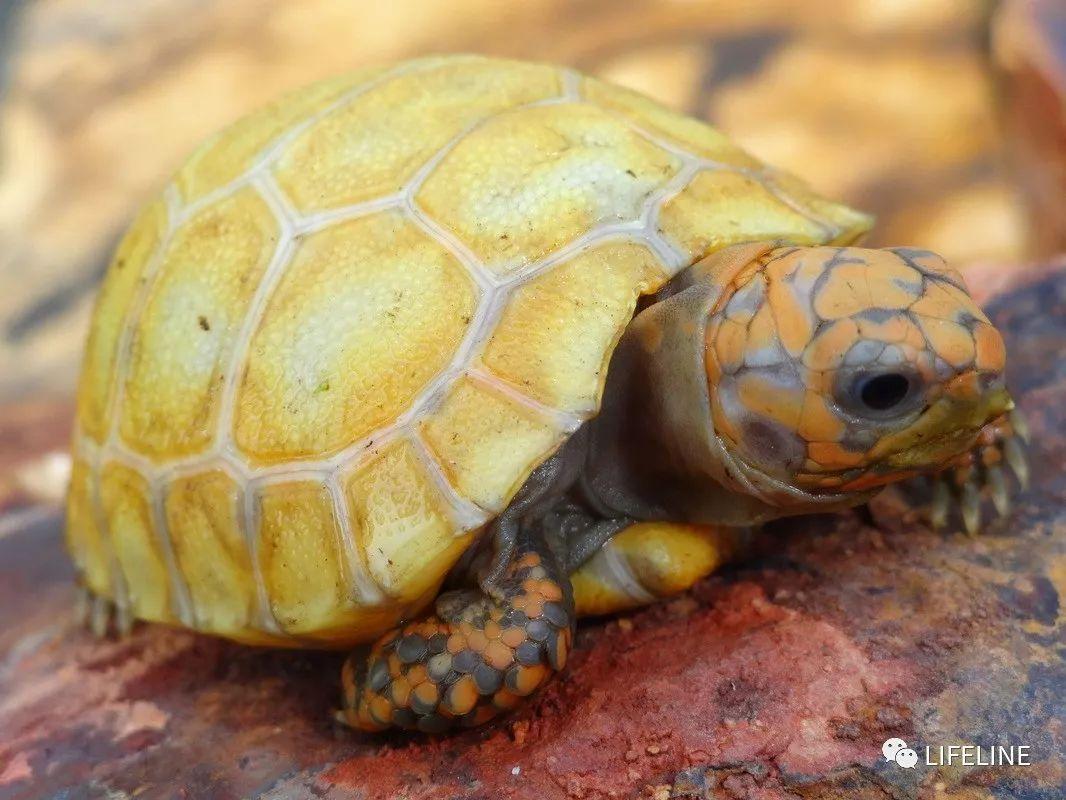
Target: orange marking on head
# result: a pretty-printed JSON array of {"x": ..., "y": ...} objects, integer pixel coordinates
[
  {"x": 897, "y": 329},
  {"x": 832, "y": 456},
  {"x": 818, "y": 423},
  {"x": 729, "y": 340},
  {"x": 844, "y": 293},
  {"x": 777, "y": 402},
  {"x": 794, "y": 317},
  {"x": 874, "y": 479},
  {"x": 723, "y": 423},
  {"x": 829, "y": 347},
  {"x": 965, "y": 387},
  {"x": 762, "y": 332},
  {"x": 950, "y": 341},
  {"x": 991, "y": 353}
]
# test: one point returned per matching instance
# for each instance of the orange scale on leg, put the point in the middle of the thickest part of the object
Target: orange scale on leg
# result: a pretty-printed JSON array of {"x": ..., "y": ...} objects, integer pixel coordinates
[
  {"x": 381, "y": 710},
  {"x": 461, "y": 696},
  {"x": 492, "y": 630},
  {"x": 505, "y": 700},
  {"x": 512, "y": 637},
  {"x": 427, "y": 693},
  {"x": 528, "y": 560},
  {"x": 477, "y": 641},
  {"x": 483, "y": 715},
  {"x": 456, "y": 643},
  {"x": 551, "y": 591},
  {"x": 991, "y": 354},
  {"x": 561, "y": 650},
  {"x": 400, "y": 691},
  {"x": 526, "y": 680},
  {"x": 534, "y": 606},
  {"x": 417, "y": 674},
  {"x": 498, "y": 655}
]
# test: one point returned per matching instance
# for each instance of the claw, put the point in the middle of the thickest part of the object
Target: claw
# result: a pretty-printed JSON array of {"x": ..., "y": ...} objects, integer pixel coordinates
[
  {"x": 971, "y": 507},
  {"x": 941, "y": 503},
  {"x": 1018, "y": 423},
  {"x": 123, "y": 620},
  {"x": 82, "y": 606},
  {"x": 997, "y": 483},
  {"x": 982, "y": 471},
  {"x": 1015, "y": 455},
  {"x": 100, "y": 616}
]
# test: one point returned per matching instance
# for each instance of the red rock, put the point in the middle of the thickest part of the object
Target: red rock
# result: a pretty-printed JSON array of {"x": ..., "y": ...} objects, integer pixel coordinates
[{"x": 778, "y": 678}]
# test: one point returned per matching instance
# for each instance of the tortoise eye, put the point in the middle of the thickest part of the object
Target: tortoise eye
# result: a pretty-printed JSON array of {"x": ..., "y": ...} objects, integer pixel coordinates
[
  {"x": 881, "y": 394},
  {"x": 884, "y": 392}
]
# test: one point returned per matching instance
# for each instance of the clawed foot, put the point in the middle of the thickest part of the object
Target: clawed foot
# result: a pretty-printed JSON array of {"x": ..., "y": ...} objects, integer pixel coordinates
[
  {"x": 101, "y": 615},
  {"x": 983, "y": 471},
  {"x": 478, "y": 657}
]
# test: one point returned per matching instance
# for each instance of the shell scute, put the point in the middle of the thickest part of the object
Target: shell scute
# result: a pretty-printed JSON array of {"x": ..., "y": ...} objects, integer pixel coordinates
[
  {"x": 121, "y": 283},
  {"x": 558, "y": 331},
  {"x": 127, "y": 504},
  {"x": 206, "y": 527},
  {"x": 720, "y": 208},
  {"x": 529, "y": 181},
  {"x": 229, "y": 154},
  {"x": 181, "y": 344},
  {"x": 402, "y": 524},
  {"x": 486, "y": 442},
  {"x": 372, "y": 145},
  {"x": 366, "y": 314}
]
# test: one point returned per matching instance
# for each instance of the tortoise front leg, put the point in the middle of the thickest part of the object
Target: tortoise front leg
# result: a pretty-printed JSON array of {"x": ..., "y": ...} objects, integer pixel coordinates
[
  {"x": 982, "y": 471},
  {"x": 650, "y": 561},
  {"x": 480, "y": 655}
]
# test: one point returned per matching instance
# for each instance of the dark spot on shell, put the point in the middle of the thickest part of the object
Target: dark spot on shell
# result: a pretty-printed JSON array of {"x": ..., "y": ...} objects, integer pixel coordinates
[{"x": 204, "y": 324}]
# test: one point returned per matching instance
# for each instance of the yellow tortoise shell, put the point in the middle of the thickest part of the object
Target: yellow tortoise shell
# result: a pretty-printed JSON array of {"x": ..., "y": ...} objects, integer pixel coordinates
[{"x": 356, "y": 320}]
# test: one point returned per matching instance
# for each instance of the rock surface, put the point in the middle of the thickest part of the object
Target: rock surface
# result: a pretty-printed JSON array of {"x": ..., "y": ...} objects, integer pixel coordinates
[{"x": 779, "y": 678}]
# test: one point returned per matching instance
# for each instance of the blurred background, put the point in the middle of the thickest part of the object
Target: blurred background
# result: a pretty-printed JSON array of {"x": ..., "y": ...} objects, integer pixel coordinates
[{"x": 921, "y": 111}]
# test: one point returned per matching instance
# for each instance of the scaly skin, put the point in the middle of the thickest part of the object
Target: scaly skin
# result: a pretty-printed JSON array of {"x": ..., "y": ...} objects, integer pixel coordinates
[
  {"x": 478, "y": 657},
  {"x": 795, "y": 326}
]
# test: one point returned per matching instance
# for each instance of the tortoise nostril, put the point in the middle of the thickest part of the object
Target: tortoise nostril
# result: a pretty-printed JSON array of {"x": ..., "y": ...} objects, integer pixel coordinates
[{"x": 884, "y": 392}]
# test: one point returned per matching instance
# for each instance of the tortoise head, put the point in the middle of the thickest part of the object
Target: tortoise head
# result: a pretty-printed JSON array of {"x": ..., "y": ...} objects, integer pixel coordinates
[{"x": 836, "y": 370}]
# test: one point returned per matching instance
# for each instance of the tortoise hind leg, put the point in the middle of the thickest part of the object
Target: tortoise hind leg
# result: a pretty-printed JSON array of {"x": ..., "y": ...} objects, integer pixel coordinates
[
  {"x": 100, "y": 614},
  {"x": 479, "y": 656}
]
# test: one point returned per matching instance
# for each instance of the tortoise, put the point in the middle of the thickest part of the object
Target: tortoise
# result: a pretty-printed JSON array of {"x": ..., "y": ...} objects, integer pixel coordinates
[{"x": 439, "y": 355}]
